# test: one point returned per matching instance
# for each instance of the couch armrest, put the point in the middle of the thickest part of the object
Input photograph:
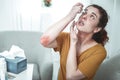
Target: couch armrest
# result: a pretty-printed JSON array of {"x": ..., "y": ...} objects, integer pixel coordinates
[
  {"x": 56, "y": 66},
  {"x": 46, "y": 70}
]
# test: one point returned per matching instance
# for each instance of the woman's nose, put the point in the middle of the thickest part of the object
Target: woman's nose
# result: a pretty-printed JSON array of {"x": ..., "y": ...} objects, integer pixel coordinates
[{"x": 84, "y": 16}]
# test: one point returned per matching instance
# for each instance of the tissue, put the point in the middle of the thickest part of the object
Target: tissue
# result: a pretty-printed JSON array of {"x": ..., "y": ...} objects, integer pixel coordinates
[
  {"x": 15, "y": 58},
  {"x": 15, "y": 51}
]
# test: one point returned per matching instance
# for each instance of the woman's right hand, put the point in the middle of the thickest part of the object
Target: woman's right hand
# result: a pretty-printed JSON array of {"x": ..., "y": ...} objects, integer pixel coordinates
[{"x": 76, "y": 9}]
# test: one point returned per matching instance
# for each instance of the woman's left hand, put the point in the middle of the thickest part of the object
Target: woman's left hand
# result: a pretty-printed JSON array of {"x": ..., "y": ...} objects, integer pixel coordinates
[{"x": 73, "y": 33}]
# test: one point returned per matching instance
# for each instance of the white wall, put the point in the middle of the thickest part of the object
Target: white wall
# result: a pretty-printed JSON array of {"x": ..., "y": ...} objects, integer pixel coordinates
[
  {"x": 20, "y": 15},
  {"x": 6, "y": 15},
  {"x": 116, "y": 27},
  {"x": 32, "y": 15}
]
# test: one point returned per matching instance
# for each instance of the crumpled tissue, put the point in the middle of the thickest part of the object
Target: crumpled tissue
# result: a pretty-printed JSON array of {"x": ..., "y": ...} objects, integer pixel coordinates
[
  {"x": 13, "y": 52},
  {"x": 15, "y": 58}
]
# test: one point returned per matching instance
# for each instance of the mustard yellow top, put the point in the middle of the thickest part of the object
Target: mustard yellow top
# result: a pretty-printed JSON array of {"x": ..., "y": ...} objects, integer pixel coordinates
[{"x": 88, "y": 62}]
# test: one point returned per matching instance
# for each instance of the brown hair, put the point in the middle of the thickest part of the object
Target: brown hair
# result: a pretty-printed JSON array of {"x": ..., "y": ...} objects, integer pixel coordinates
[{"x": 101, "y": 36}]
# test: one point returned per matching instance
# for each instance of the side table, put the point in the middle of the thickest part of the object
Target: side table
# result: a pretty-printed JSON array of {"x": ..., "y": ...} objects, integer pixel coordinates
[{"x": 25, "y": 75}]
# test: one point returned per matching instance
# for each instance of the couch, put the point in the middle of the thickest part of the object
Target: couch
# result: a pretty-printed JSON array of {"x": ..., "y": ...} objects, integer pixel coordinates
[{"x": 40, "y": 56}]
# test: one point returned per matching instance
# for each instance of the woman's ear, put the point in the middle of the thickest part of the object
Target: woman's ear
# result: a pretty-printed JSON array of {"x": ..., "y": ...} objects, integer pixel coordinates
[{"x": 97, "y": 29}]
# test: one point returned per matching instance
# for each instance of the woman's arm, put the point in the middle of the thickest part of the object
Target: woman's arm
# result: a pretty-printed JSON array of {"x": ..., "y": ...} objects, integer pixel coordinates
[
  {"x": 48, "y": 38},
  {"x": 72, "y": 71}
]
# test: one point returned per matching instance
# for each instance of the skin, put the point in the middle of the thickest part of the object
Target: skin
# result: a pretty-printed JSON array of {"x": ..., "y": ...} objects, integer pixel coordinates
[
  {"x": 89, "y": 18},
  {"x": 44, "y": 40},
  {"x": 80, "y": 40}
]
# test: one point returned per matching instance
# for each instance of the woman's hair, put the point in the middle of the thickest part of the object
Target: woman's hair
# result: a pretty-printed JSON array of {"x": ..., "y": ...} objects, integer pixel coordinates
[{"x": 101, "y": 36}]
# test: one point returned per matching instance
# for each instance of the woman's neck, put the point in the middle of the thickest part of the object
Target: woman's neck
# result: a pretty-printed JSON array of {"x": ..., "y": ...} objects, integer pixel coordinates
[
  {"x": 84, "y": 42},
  {"x": 84, "y": 38}
]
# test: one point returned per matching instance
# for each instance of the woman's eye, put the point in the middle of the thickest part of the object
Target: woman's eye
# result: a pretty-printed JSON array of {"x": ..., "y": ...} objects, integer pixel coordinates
[{"x": 92, "y": 17}]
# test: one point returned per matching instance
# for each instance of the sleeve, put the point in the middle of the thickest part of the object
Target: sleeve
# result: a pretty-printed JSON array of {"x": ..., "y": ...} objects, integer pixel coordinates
[
  {"x": 60, "y": 41},
  {"x": 90, "y": 65}
]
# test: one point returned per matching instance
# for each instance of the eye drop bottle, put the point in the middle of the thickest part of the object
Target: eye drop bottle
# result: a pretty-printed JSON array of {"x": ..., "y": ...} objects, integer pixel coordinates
[{"x": 3, "y": 69}]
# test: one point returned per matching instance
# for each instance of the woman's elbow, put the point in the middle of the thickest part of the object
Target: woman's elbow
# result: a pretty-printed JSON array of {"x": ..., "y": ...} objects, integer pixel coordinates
[{"x": 44, "y": 40}]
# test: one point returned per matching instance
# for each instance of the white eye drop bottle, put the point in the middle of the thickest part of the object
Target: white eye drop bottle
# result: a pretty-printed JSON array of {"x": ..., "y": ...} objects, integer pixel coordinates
[{"x": 3, "y": 69}]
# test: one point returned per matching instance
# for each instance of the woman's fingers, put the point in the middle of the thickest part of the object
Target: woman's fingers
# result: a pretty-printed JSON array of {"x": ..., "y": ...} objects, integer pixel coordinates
[
  {"x": 73, "y": 34},
  {"x": 76, "y": 9},
  {"x": 79, "y": 6},
  {"x": 72, "y": 26}
]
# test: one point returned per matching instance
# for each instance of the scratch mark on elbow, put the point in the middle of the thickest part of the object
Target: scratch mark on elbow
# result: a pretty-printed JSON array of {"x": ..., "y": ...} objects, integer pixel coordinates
[{"x": 44, "y": 40}]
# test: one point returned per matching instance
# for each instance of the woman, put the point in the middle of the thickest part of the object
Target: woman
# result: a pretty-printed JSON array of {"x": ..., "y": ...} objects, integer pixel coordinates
[{"x": 82, "y": 50}]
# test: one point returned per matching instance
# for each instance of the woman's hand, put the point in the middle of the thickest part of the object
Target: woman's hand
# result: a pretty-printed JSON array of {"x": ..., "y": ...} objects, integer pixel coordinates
[
  {"x": 77, "y": 8},
  {"x": 73, "y": 33}
]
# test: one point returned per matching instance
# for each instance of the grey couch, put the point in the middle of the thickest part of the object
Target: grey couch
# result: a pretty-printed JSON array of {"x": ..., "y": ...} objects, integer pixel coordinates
[{"x": 37, "y": 54}]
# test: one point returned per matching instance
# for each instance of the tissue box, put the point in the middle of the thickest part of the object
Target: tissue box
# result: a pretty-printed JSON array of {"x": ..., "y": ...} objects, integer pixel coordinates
[{"x": 16, "y": 65}]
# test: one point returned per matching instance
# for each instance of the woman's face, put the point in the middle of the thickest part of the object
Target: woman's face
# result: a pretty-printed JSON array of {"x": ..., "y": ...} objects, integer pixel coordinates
[{"x": 88, "y": 21}]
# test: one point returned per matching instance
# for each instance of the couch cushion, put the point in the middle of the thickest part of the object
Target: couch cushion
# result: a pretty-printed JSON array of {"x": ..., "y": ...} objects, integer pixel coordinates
[
  {"x": 45, "y": 70},
  {"x": 36, "y": 75},
  {"x": 46, "y": 66},
  {"x": 110, "y": 69},
  {"x": 28, "y": 41}
]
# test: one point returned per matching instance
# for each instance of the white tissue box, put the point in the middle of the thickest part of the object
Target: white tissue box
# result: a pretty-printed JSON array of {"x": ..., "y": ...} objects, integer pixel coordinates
[{"x": 16, "y": 65}]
